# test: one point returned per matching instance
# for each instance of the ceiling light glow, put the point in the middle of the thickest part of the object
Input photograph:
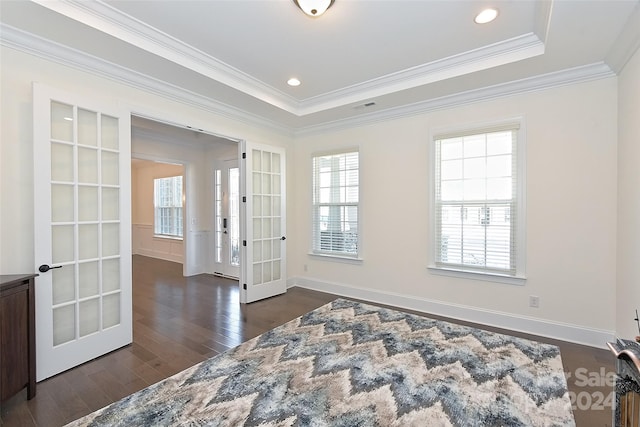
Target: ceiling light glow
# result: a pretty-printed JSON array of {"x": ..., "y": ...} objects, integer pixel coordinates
[
  {"x": 314, "y": 7},
  {"x": 293, "y": 82},
  {"x": 486, "y": 16}
]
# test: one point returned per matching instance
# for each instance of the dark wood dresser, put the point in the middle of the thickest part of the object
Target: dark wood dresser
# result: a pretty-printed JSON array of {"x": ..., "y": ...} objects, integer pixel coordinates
[
  {"x": 17, "y": 335},
  {"x": 627, "y": 404}
]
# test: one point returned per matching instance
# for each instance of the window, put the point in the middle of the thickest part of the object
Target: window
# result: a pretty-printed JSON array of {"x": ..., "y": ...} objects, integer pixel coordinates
[
  {"x": 478, "y": 202},
  {"x": 335, "y": 204},
  {"x": 219, "y": 216},
  {"x": 227, "y": 227},
  {"x": 167, "y": 199}
]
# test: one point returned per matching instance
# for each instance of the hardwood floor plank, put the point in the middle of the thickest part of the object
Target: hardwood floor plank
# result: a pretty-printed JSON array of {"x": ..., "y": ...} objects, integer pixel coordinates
[{"x": 180, "y": 321}]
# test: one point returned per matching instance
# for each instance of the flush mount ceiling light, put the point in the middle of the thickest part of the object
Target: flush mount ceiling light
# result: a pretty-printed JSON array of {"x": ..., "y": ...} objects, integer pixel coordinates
[
  {"x": 314, "y": 7},
  {"x": 486, "y": 16},
  {"x": 293, "y": 82}
]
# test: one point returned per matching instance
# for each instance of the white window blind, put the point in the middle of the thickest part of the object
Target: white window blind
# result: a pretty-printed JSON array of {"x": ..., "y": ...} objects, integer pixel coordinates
[
  {"x": 167, "y": 199},
  {"x": 476, "y": 201},
  {"x": 335, "y": 204}
]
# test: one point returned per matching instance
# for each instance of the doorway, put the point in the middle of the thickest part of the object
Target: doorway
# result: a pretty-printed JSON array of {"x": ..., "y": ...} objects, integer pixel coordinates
[
  {"x": 262, "y": 218},
  {"x": 197, "y": 151}
]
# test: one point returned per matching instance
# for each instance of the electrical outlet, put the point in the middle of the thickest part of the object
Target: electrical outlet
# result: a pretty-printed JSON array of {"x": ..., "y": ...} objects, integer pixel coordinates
[{"x": 534, "y": 301}]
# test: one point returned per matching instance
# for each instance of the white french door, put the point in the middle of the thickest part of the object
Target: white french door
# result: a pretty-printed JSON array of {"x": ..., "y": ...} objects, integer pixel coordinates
[
  {"x": 227, "y": 219},
  {"x": 82, "y": 229},
  {"x": 263, "y": 220}
]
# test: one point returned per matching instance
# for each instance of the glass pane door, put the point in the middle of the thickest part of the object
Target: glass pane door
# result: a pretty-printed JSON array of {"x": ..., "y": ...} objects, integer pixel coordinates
[
  {"x": 265, "y": 214},
  {"x": 84, "y": 308}
]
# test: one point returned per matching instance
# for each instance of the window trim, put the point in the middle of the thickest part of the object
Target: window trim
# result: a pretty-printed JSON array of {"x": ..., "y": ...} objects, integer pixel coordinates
[
  {"x": 519, "y": 278},
  {"x": 338, "y": 256}
]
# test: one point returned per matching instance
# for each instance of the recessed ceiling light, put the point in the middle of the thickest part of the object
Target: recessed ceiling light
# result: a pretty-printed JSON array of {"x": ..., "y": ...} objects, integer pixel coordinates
[
  {"x": 293, "y": 82},
  {"x": 486, "y": 15}
]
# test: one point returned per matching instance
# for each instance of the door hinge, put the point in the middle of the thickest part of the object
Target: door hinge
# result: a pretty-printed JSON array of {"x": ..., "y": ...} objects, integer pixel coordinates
[
  {"x": 244, "y": 286},
  {"x": 244, "y": 199},
  {"x": 244, "y": 243},
  {"x": 244, "y": 155}
]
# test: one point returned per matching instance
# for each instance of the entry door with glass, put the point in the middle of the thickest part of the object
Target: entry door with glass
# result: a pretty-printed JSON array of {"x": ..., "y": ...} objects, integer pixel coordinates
[
  {"x": 82, "y": 217},
  {"x": 227, "y": 220}
]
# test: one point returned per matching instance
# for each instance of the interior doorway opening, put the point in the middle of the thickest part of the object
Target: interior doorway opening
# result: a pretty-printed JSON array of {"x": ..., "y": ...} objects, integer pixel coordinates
[{"x": 200, "y": 153}]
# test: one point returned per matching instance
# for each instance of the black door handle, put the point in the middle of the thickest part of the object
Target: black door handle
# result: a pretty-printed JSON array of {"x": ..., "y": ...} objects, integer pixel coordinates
[
  {"x": 44, "y": 268},
  {"x": 283, "y": 238}
]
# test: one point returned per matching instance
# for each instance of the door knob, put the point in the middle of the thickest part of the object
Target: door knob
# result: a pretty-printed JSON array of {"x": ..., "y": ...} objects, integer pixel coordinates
[{"x": 44, "y": 268}]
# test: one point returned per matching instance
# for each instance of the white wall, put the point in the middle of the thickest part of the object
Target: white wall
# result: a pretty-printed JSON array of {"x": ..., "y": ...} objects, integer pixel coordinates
[
  {"x": 18, "y": 71},
  {"x": 571, "y": 216},
  {"x": 143, "y": 240},
  {"x": 628, "y": 290},
  {"x": 571, "y": 198}
]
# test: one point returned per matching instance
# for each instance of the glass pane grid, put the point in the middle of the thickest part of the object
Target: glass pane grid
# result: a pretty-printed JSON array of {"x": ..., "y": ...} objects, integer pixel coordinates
[
  {"x": 335, "y": 199},
  {"x": 168, "y": 220},
  {"x": 77, "y": 137},
  {"x": 475, "y": 191},
  {"x": 265, "y": 216},
  {"x": 234, "y": 214}
]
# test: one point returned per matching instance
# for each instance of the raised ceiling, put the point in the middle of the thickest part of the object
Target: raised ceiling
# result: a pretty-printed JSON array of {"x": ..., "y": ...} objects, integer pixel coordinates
[{"x": 238, "y": 55}]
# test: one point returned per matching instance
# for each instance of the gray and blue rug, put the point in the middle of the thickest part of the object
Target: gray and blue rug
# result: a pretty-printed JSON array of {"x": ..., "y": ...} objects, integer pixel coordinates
[{"x": 348, "y": 364}]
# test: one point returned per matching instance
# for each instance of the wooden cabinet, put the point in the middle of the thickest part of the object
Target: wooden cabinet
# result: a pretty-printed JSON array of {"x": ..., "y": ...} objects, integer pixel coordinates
[{"x": 17, "y": 335}]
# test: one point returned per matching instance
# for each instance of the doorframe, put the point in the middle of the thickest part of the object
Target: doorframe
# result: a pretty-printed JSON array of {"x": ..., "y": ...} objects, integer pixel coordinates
[
  {"x": 220, "y": 164},
  {"x": 179, "y": 121}
]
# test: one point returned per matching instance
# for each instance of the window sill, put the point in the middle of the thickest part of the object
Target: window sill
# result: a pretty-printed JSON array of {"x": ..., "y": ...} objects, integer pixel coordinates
[
  {"x": 473, "y": 275},
  {"x": 339, "y": 258},
  {"x": 163, "y": 237}
]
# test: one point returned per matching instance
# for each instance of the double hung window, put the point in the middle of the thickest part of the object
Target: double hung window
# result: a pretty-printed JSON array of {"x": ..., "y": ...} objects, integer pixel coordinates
[
  {"x": 336, "y": 204},
  {"x": 478, "y": 201},
  {"x": 167, "y": 198}
]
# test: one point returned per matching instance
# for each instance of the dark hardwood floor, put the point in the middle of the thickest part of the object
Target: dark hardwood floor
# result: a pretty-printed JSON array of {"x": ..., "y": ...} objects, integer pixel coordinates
[{"x": 180, "y": 321}]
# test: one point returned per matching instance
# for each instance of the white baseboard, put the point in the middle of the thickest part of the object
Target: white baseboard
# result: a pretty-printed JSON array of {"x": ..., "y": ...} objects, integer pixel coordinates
[
  {"x": 159, "y": 255},
  {"x": 530, "y": 325},
  {"x": 144, "y": 242}
]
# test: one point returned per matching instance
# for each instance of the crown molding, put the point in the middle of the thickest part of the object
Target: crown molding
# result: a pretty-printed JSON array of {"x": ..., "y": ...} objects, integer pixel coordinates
[
  {"x": 542, "y": 24},
  {"x": 504, "y": 52},
  {"x": 627, "y": 43},
  {"x": 109, "y": 20},
  {"x": 55, "y": 52},
  {"x": 575, "y": 75},
  {"x": 51, "y": 51}
]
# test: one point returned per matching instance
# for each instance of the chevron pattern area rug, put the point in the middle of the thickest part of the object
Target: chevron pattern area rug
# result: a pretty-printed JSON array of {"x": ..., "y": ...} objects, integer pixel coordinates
[{"x": 350, "y": 364}]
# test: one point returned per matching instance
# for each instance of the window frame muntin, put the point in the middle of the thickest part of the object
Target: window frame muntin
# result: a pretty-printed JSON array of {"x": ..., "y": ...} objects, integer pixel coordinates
[
  {"x": 162, "y": 235},
  {"x": 335, "y": 255},
  {"x": 513, "y": 123}
]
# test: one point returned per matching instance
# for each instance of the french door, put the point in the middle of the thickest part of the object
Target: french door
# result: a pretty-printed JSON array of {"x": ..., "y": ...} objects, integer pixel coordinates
[
  {"x": 227, "y": 219},
  {"x": 82, "y": 229},
  {"x": 263, "y": 220}
]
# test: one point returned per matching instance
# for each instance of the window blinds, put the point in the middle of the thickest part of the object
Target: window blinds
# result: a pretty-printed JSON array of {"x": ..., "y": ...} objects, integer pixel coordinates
[
  {"x": 476, "y": 201},
  {"x": 168, "y": 206},
  {"x": 335, "y": 204}
]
